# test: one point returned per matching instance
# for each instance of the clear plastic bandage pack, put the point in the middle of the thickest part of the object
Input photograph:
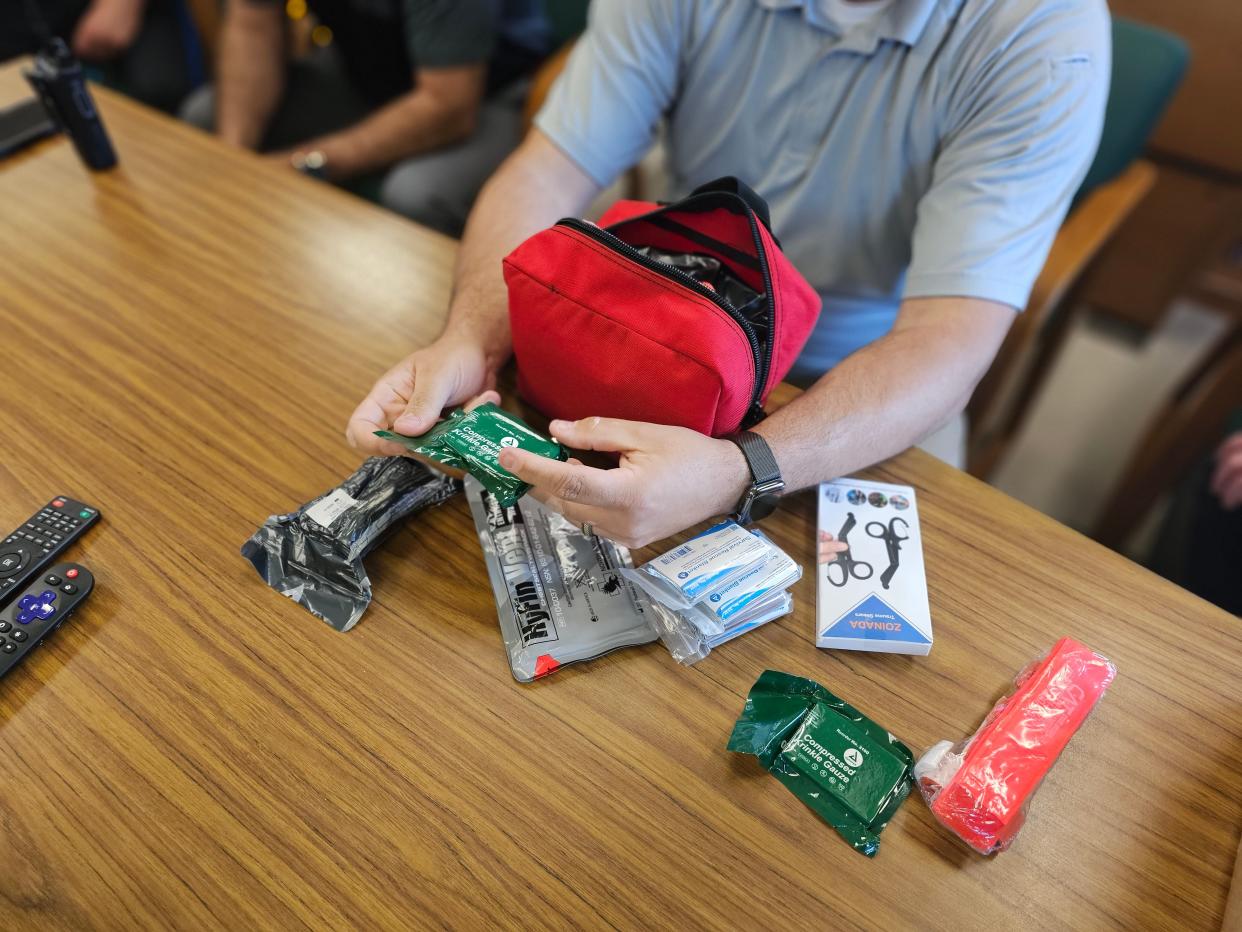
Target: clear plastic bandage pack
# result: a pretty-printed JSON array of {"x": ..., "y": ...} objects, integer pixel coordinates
[{"x": 719, "y": 585}]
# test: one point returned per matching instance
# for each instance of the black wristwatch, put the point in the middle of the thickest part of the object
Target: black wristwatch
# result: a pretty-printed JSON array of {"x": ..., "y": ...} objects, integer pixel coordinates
[{"x": 766, "y": 485}]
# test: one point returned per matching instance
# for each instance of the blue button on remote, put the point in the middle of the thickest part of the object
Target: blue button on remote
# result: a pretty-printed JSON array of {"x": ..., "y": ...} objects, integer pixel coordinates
[{"x": 37, "y": 611}]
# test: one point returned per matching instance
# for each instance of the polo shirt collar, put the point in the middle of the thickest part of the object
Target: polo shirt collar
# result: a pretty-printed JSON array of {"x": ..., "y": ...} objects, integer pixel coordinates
[{"x": 902, "y": 21}]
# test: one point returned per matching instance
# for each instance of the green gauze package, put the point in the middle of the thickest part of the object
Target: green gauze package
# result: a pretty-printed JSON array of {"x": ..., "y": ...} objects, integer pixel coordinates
[
  {"x": 472, "y": 440},
  {"x": 852, "y": 772}
]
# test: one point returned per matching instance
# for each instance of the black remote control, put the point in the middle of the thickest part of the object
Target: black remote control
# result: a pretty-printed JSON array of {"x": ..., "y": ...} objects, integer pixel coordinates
[
  {"x": 40, "y": 610},
  {"x": 38, "y": 541}
]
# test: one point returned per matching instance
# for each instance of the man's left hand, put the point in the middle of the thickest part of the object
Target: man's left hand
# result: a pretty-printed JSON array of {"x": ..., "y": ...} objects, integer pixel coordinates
[{"x": 669, "y": 478}]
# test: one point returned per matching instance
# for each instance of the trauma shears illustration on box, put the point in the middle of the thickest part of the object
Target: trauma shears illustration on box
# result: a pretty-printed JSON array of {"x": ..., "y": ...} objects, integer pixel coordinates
[{"x": 847, "y": 566}]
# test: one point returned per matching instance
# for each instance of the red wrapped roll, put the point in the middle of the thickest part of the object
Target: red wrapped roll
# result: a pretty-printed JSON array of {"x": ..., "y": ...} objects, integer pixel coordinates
[{"x": 980, "y": 790}]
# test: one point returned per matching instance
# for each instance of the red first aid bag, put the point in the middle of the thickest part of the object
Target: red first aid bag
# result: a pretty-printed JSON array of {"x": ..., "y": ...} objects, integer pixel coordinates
[{"x": 685, "y": 314}]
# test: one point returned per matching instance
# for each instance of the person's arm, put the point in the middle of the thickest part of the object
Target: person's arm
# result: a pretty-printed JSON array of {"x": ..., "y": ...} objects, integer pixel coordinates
[
  {"x": 883, "y": 399},
  {"x": 250, "y": 76},
  {"x": 442, "y": 109},
  {"x": 107, "y": 28},
  {"x": 534, "y": 188},
  {"x": 600, "y": 118}
]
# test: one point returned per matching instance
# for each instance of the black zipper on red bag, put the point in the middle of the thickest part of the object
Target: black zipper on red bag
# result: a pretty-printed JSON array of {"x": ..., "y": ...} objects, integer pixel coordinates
[{"x": 762, "y": 360}]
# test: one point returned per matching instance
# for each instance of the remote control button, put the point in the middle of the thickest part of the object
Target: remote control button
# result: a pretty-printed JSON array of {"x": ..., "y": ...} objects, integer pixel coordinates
[
  {"x": 25, "y": 617},
  {"x": 27, "y": 602},
  {"x": 4, "y": 626},
  {"x": 59, "y": 503},
  {"x": 20, "y": 636},
  {"x": 71, "y": 574},
  {"x": 53, "y": 580},
  {"x": 47, "y": 595},
  {"x": 84, "y": 514},
  {"x": 45, "y": 611},
  {"x": 11, "y": 562},
  {"x": 8, "y": 647},
  {"x": 68, "y": 588}
]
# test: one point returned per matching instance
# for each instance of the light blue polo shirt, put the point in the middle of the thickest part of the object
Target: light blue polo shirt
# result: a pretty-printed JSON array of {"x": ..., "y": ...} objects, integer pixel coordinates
[{"x": 930, "y": 150}]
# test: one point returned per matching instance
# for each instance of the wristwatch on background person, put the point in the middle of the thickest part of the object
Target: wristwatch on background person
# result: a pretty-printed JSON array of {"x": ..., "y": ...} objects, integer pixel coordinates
[
  {"x": 313, "y": 163},
  {"x": 766, "y": 485}
]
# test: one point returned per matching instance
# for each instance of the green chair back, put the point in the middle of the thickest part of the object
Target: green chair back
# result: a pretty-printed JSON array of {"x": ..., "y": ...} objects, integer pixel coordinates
[
  {"x": 1148, "y": 65},
  {"x": 567, "y": 18}
]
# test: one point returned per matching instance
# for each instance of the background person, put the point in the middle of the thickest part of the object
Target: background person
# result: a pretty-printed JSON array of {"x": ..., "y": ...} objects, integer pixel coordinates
[
  {"x": 426, "y": 93},
  {"x": 139, "y": 45},
  {"x": 918, "y": 157}
]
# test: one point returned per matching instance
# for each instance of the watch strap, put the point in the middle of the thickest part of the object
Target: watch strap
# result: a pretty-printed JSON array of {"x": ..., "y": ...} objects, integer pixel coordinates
[{"x": 759, "y": 458}]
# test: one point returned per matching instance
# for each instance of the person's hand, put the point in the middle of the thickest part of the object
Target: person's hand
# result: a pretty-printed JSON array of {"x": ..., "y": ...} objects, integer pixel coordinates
[
  {"x": 830, "y": 547},
  {"x": 107, "y": 28},
  {"x": 1226, "y": 481},
  {"x": 409, "y": 397},
  {"x": 668, "y": 479}
]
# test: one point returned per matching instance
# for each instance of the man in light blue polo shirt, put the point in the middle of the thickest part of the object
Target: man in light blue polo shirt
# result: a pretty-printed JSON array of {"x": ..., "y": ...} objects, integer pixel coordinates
[{"x": 918, "y": 157}]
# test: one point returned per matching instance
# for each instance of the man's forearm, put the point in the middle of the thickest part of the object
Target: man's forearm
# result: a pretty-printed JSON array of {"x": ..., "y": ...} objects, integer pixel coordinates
[
  {"x": 251, "y": 72},
  {"x": 889, "y": 395},
  {"x": 418, "y": 121},
  {"x": 535, "y": 187}
]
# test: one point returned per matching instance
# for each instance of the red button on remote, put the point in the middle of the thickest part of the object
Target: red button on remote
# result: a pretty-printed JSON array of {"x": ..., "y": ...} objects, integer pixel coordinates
[
  {"x": 59, "y": 503},
  {"x": 71, "y": 574}
]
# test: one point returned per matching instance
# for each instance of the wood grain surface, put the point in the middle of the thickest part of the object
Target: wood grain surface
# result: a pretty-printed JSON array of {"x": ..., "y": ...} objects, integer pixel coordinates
[{"x": 183, "y": 341}]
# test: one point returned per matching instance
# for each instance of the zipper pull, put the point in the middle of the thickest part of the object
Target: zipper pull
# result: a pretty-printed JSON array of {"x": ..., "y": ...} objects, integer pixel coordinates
[{"x": 753, "y": 416}]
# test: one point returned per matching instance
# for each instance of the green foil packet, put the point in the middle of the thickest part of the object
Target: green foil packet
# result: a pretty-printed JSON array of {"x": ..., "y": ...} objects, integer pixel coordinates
[
  {"x": 848, "y": 769},
  {"x": 472, "y": 441}
]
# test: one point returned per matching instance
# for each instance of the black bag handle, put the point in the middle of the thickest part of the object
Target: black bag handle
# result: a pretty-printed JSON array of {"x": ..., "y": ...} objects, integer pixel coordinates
[{"x": 732, "y": 185}]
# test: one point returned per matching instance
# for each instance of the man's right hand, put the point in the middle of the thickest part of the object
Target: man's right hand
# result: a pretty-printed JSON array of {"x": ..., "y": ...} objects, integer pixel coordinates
[
  {"x": 107, "y": 29},
  {"x": 409, "y": 397}
]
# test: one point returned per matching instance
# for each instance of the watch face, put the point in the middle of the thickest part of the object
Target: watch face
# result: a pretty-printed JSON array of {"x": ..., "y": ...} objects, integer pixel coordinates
[{"x": 763, "y": 505}]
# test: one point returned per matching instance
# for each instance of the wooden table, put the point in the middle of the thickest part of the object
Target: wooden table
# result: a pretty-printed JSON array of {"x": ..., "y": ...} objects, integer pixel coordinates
[{"x": 183, "y": 341}]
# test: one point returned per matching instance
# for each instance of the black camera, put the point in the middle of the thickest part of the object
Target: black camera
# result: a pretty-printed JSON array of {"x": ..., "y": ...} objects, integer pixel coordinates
[{"x": 57, "y": 78}]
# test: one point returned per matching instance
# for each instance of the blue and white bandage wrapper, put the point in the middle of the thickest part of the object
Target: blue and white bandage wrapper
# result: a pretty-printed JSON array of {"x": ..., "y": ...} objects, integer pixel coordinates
[
  {"x": 729, "y": 601},
  {"x": 780, "y": 605},
  {"x": 686, "y": 574},
  {"x": 746, "y": 593}
]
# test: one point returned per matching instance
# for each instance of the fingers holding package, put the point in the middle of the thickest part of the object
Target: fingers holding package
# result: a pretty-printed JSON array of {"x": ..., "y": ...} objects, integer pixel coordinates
[
  {"x": 667, "y": 478},
  {"x": 409, "y": 397}
]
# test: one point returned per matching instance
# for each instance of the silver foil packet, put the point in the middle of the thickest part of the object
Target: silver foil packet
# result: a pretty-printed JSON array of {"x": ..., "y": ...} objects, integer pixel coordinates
[
  {"x": 559, "y": 594},
  {"x": 314, "y": 555}
]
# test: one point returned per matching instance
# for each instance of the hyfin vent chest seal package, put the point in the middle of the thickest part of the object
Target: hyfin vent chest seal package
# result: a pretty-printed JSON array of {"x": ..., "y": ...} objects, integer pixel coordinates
[{"x": 560, "y": 595}]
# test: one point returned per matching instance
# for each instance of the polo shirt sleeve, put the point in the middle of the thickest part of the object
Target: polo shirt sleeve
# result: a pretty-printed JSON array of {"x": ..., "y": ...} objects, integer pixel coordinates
[
  {"x": 605, "y": 108},
  {"x": 450, "y": 33},
  {"x": 1023, "y": 131}
]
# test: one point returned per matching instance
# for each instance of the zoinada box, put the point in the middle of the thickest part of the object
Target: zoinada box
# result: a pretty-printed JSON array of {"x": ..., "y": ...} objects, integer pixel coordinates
[{"x": 873, "y": 596}]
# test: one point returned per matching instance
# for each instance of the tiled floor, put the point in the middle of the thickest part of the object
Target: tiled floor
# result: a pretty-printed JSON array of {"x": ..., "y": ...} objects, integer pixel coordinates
[{"x": 1095, "y": 405}]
